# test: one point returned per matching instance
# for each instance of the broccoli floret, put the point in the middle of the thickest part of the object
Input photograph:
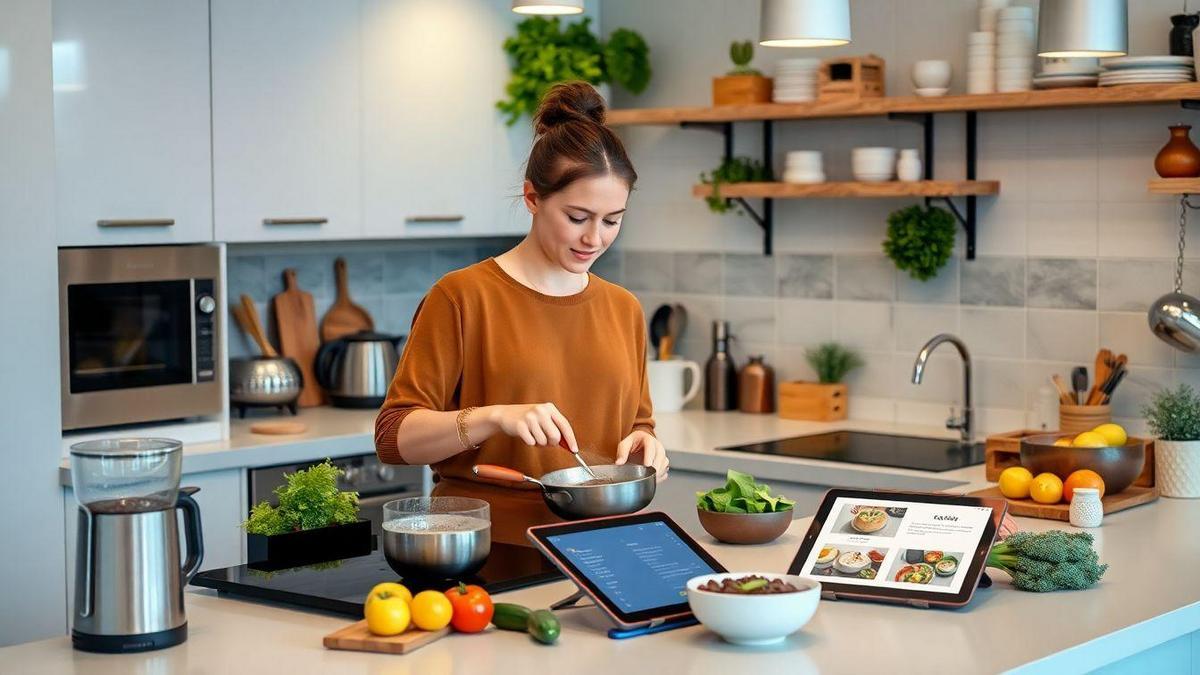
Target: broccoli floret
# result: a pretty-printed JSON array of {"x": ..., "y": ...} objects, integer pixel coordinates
[{"x": 1048, "y": 561}]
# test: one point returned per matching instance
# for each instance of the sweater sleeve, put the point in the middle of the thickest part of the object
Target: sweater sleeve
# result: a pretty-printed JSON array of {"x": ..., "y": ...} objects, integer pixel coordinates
[{"x": 429, "y": 372}]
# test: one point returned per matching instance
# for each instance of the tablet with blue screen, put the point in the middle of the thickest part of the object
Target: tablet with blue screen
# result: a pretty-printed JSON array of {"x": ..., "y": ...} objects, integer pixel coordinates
[{"x": 634, "y": 567}]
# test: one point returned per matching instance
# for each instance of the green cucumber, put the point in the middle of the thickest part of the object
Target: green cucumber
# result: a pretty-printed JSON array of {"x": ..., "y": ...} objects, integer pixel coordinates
[
  {"x": 544, "y": 626},
  {"x": 507, "y": 616}
]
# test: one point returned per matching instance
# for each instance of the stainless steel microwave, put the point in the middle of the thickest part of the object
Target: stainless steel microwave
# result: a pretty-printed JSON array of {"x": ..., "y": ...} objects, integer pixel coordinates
[{"x": 139, "y": 339}]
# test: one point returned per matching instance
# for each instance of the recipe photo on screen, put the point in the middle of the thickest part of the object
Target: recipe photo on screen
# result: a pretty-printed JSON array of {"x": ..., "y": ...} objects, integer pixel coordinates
[{"x": 895, "y": 544}]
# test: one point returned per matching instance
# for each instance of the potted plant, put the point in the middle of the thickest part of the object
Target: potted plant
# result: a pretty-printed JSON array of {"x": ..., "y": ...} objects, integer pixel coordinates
[
  {"x": 314, "y": 522},
  {"x": 743, "y": 511},
  {"x": 544, "y": 53},
  {"x": 732, "y": 170},
  {"x": 743, "y": 84},
  {"x": 825, "y": 399},
  {"x": 1173, "y": 416},
  {"x": 920, "y": 240}
]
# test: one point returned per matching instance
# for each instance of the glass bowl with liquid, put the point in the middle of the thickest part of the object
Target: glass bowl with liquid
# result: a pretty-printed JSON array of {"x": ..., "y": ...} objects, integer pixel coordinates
[{"x": 126, "y": 475}]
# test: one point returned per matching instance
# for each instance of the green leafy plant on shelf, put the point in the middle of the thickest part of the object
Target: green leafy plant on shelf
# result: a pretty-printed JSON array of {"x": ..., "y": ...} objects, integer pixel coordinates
[
  {"x": 732, "y": 170},
  {"x": 832, "y": 362},
  {"x": 545, "y": 52},
  {"x": 920, "y": 240},
  {"x": 308, "y": 499},
  {"x": 742, "y": 53},
  {"x": 1174, "y": 414}
]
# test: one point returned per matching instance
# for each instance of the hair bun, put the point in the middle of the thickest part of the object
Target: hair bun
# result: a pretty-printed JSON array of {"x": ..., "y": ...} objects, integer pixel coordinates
[{"x": 568, "y": 102}]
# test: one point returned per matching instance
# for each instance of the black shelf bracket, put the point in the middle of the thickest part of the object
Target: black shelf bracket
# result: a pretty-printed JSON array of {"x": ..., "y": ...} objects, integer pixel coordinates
[
  {"x": 1190, "y": 104},
  {"x": 766, "y": 219}
]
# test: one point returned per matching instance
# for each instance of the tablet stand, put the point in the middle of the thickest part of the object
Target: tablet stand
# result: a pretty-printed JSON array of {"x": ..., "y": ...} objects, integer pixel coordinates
[{"x": 572, "y": 602}]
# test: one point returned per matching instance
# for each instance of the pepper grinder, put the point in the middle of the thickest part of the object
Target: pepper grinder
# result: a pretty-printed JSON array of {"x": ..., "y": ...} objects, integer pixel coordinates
[
  {"x": 756, "y": 387},
  {"x": 720, "y": 373}
]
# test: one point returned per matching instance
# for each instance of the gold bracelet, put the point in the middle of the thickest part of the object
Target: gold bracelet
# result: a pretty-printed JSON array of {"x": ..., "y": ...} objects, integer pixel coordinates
[{"x": 461, "y": 422}]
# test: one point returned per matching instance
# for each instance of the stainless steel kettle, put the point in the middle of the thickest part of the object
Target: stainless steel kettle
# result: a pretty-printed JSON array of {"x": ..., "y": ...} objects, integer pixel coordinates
[{"x": 357, "y": 370}]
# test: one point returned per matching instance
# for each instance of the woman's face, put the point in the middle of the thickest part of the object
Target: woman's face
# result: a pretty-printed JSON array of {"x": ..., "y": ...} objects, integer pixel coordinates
[{"x": 574, "y": 226}]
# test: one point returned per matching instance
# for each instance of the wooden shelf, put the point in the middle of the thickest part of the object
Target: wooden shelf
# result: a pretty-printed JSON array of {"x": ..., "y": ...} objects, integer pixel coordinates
[
  {"x": 1133, "y": 94},
  {"x": 1175, "y": 186},
  {"x": 924, "y": 188}
]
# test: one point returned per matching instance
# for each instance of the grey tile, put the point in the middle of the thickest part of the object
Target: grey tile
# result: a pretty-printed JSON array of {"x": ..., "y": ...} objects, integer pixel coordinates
[
  {"x": 314, "y": 273},
  {"x": 701, "y": 311},
  {"x": 751, "y": 320},
  {"x": 805, "y": 276},
  {"x": 489, "y": 248},
  {"x": 915, "y": 324},
  {"x": 1000, "y": 384},
  {"x": 1136, "y": 390},
  {"x": 864, "y": 325},
  {"x": 992, "y": 331},
  {"x": 448, "y": 259},
  {"x": 993, "y": 281},
  {"x": 865, "y": 277},
  {"x": 1061, "y": 335},
  {"x": 941, "y": 289},
  {"x": 698, "y": 273},
  {"x": 874, "y": 377},
  {"x": 1131, "y": 285},
  {"x": 805, "y": 322},
  {"x": 1127, "y": 333},
  {"x": 365, "y": 271},
  {"x": 408, "y": 271},
  {"x": 648, "y": 270},
  {"x": 749, "y": 274},
  {"x": 398, "y": 312},
  {"x": 247, "y": 274},
  {"x": 1062, "y": 283},
  {"x": 608, "y": 266},
  {"x": 941, "y": 380}
]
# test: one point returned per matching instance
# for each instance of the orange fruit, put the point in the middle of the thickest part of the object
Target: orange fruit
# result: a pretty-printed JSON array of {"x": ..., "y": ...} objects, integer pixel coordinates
[
  {"x": 1083, "y": 478},
  {"x": 1046, "y": 488}
]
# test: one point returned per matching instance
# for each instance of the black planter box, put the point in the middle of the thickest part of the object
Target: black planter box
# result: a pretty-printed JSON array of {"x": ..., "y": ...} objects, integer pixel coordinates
[{"x": 306, "y": 547}]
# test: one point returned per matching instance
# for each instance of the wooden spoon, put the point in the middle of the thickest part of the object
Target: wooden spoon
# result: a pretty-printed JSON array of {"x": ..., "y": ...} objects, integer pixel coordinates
[{"x": 247, "y": 318}]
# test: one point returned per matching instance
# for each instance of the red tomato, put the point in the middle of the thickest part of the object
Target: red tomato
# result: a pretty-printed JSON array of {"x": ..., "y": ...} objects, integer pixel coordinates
[{"x": 472, "y": 608}]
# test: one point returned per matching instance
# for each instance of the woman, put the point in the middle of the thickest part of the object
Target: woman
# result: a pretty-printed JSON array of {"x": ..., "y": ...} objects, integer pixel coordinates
[{"x": 513, "y": 354}]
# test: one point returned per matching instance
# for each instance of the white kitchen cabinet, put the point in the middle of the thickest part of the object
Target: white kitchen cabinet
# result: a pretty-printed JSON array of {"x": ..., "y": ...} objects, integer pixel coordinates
[
  {"x": 438, "y": 159},
  {"x": 222, "y": 499},
  {"x": 131, "y": 121},
  {"x": 286, "y": 131}
]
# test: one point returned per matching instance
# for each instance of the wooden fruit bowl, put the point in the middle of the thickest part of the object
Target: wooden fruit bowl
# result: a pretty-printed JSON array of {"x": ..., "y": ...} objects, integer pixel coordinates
[{"x": 1119, "y": 466}]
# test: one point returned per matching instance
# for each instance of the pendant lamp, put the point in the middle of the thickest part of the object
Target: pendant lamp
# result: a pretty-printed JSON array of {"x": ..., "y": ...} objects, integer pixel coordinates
[
  {"x": 804, "y": 23},
  {"x": 547, "y": 6},
  {"x": 1083, "y": 28}
]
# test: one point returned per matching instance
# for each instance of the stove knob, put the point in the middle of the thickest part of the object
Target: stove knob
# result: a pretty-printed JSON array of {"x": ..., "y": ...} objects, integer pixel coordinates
[
  {"x": 206, "y": 304},
  {"x": 385, "y": 472},
  {"x": 352, "y": 475}
]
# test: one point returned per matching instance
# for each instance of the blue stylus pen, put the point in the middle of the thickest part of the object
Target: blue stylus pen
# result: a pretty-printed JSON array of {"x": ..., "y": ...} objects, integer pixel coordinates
[{"x": 622, "y": 633}]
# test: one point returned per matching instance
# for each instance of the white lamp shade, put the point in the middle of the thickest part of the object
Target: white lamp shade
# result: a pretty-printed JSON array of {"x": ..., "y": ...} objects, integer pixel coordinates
[
  {"x": 1083, "y": 28},
  {"x": 547, "y": 6},
  {"x": 804, "y": 23}
]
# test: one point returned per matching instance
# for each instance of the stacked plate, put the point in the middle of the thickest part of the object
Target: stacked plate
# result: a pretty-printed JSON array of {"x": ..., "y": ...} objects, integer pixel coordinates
[
  {"x": 1014, "y": 48},
  {"x": 795, "y": 80},
  {"x": 1062, "y": 72},
  {"x": 804, "y": 166},
  {"x": 1120, "y": 70},
  {"x": 873, "y": 165},
  {"x": 988, "y": 10},
  {"x": 981, "y": 62}
]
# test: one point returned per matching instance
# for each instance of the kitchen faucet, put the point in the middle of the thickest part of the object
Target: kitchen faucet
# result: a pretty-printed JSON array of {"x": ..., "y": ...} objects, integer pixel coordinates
[{"x": 965, "y": 424}]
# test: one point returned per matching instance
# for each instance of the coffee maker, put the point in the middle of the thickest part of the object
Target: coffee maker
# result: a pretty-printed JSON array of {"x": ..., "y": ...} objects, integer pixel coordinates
[{"x": 128, "y": 579}]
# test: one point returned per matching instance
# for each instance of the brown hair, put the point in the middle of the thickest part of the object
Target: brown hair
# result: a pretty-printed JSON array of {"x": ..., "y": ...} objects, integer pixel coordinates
[{"x": 572, "y": 141}]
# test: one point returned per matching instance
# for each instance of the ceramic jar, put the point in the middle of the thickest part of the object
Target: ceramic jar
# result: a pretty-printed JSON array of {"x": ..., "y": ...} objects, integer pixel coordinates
[
  {"x": 1179, "y": 158},
  {"x": 1180, "y": 38},
  {"x": 909, "y": 166},
  {"x": 1086, "y": 509},
  {"x": 1177, "y": 468}
]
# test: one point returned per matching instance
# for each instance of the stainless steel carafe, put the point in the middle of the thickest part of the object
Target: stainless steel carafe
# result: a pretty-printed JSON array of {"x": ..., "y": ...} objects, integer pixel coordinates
[
  {"x": 720, "y": 373},
  {"x": 357, "y": 370}
]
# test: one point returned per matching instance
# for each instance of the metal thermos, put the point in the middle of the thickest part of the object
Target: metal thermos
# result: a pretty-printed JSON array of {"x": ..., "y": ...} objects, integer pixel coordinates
[
  {"x": 720, "y": 373},
  {"x": 756, "y": 387}
]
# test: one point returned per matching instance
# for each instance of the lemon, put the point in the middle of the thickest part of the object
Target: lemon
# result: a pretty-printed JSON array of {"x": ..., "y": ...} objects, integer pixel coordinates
[
  {"x": 1014, "y": 482},
  {"x": 1113, "y": 434},
  {"x": 1090, "y": 439},
  {"x": 1046, "y": 488},
  {"x": 1064, "y": 442}
]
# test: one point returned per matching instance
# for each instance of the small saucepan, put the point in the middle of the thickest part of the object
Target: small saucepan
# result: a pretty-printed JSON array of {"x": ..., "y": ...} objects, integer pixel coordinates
[{"x": 573, "y": 494}]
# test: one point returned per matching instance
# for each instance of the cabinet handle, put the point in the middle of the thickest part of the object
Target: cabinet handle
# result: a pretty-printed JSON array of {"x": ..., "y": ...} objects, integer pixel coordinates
[
  {"x": 137, "y": 222},
  {"x": 448, "y": 218},
  {"x": 295, "y": 221}
]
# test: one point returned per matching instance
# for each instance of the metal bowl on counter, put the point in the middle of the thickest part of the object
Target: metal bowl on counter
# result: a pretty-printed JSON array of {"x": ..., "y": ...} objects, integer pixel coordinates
[
  {"x": 436, "y": 536},
  {"x": 1118, "y": 465},
  {"x": 264, "y": 381}
]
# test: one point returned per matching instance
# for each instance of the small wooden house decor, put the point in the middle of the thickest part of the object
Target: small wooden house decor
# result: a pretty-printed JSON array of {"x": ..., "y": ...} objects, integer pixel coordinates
[{"x": 851, "y": 78}]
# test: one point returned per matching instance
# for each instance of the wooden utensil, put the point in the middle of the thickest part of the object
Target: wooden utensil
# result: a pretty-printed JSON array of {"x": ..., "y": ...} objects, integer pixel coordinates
[
  {"x": 247, "y": 317},
  {"x": 1064, "y": 394},
  {"x": 344, "y": 317},
  {"x": 1102, "y": 372},
  {"x": 356, "y": 637},
  {"x": 1079, "y": 381},
  {"x": 297, "y": 323}
]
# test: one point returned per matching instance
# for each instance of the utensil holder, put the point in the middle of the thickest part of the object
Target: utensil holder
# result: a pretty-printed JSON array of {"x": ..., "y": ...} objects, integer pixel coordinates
[{"x": 1074, "y": 419}]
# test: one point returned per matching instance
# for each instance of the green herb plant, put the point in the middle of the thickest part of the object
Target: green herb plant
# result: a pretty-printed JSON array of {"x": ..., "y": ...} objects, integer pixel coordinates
[
  {"x": 308, "y": 499},
  {"x": 1174, "y": 414},
  {"x": 741, "y": 495},
  {"x": 920, "y": 240},
  {"x": 545, "y": 52},
  {"x": 732, "y": 170},
  {"x": 741, "y": 53},
  {"x": 832, "y": 361},
  {"x": 1048, "y": 561}
]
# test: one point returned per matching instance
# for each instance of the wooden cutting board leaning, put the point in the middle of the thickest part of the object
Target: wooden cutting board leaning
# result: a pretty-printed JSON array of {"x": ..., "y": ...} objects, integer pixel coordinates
[
  {"x": 344, "y": 317},
  {"x": 296, "y": 320}
]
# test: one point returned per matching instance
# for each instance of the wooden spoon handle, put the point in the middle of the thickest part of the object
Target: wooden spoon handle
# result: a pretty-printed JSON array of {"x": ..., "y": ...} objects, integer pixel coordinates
[
  {"x": 1064, "y": 395},
  {"x": 343, "y": 283},
  {"x": 256, "y": 329}
]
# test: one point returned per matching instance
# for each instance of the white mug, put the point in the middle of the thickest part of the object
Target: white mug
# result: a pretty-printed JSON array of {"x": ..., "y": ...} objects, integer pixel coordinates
[{"x": 667, "y": 383}]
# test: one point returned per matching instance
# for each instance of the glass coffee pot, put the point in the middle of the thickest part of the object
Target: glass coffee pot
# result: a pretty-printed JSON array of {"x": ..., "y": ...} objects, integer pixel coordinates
[{"x": 126, "y": 475}]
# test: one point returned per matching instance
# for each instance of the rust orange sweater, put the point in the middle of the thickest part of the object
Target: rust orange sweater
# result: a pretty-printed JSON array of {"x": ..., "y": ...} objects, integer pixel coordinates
[{"x": 482, "y": 338}]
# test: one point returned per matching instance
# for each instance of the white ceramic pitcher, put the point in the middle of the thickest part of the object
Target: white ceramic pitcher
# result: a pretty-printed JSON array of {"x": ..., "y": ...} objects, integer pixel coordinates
[{"x": 669, "y": 390}]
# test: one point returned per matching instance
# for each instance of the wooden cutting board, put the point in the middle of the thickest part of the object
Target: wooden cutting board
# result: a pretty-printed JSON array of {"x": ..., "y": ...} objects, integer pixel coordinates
[
  {"x": 344, "y": 317},
  {"x": 357, "y": 638},
  {"x": 1128, "y": 498},
  {"x": 297, "y": 323}
]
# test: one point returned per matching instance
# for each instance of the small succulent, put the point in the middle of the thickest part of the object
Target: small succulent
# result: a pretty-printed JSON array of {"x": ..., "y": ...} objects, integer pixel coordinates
[
  {"x": 832, "y": 361},
  {"x": 1174, "y": 414},
  {"x": 742, "y": 53}
]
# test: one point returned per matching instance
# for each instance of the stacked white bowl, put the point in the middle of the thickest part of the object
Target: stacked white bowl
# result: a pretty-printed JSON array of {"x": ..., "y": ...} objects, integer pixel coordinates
[
  {"x": 804, "y": 166},
  {"x": 873, "y": 165},
  {"x": 987, "y": 14},
  {"x": 1014, "y": 49},
  {"x": 981, "y": 62},
  {"x": 795, "y": 80}
]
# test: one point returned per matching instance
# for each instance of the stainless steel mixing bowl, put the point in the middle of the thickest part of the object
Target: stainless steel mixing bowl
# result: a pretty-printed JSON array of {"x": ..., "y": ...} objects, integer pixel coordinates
[
  {"x": 626, "y": 488},
  {"x": 442, "y": 537}
]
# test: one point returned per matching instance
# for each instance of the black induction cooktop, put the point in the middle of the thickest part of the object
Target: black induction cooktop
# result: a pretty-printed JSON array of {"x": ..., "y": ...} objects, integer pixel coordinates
[
  {"x": 856, "y": 447},
  {"x": 341, "y": 585}
]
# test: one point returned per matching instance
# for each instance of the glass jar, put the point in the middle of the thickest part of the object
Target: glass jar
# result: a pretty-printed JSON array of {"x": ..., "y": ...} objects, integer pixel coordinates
[{"x": 126, "y": 475}]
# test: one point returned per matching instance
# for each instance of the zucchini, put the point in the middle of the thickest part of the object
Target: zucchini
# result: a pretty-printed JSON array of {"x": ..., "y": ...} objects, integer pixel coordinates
[
  {"x": 508, "y": 616},
  {"x": 544, "y": 626}
]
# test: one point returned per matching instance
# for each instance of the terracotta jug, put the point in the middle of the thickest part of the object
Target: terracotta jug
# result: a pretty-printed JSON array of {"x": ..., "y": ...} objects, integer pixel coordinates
[{"x": 1179, "y": 158}]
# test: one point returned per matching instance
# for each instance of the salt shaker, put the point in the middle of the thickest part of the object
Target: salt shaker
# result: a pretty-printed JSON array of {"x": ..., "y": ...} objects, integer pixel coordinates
[{"x": 1086, "y": 509}]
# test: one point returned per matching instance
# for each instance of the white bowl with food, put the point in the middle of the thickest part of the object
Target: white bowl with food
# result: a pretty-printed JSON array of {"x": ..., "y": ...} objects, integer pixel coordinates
[
  {"x": 852, "y": 562},
  {"x": 753, "y": 608},
  {"x": 869, "y": 519}
]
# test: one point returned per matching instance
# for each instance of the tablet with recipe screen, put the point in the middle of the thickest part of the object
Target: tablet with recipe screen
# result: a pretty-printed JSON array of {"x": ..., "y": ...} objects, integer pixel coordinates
[
  {"x": 634, "y": 567},
  {"x": 900, "y": 546}
]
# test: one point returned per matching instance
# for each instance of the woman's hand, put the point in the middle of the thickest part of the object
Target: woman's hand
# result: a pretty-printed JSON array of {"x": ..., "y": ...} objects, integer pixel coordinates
[
  {"x": 537, "y": 424},
  {"x": 650, "y": 448}
]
